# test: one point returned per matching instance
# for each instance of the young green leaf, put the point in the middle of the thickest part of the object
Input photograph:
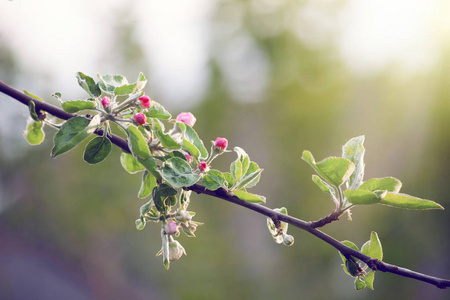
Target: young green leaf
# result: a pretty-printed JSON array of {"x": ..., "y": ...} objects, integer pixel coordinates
[
  {"x": 73, "y": 132},
  {"x": 354, "y": 151},
  {"x": 130, "y": 164},
  {"x": 359, "y": 283},
  {"x": 32, "y": 109},
  {"x": 89, "y": 85},
  {"x": 249, "y": 179},
  {"x": 34, "y": 133},
  {"x": 278, "y": 236},
  {"x": 77, "y": 105},
  {"x": 389, "y": 184},
  {"x": 335, "y": 170},
  {"x": 108, "y": 83},
  {"x": 213, "y": 180},
  {"x": 189, "y": 147},
  {"x": 32, "y": 95},
  {"x": 97, "y": 150},
  {"x": 351, "y": 245},
  {"x": 229, "y": 179},
  {"x": 140, "y": 224},
  {"x": 250, "y": 197},
  {"x": 408, "y": 202},
  {"x": 373, "y": 247},
  {"x": 369, "y": 278},
  {"x": 133, "y": 88},
  {"x": 236, "y": 169},
  {"x": 191, "y": 136},
  {"x": 147, "y": 186},
  {"x": 157, "y": 111},
  {"x": 253, "y": 167},
  {"x": 178, "y": 173},
  {"x": 362, "y": 197},
  {"x": 166, "y": 139}
]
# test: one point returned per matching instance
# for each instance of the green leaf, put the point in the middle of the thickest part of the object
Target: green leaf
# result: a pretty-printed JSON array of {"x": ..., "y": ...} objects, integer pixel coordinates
[
  {"x": 351, "y": 245},
  {"x": 130, "y": 164},
  {"x": 166, "y": 139},
  {"x": 389, "y": 184},
  {"x": 140, "y": 224},
  {"x": 137, "y": 143},
  {"x": 229, "y": 178},
  {"x": 89, "y": 85},
  {"x": 352, "y": 267},
  {"x": 325, "y": 187},
  {"x": 249, "y": 179},
  {"x": 32, "y": 95},
  {"x": 147, "y": 186},
  {"x": 97, "y": 150},
  {"x": 359, "y": 284},
  {"x": 335, "y": 170},
  {"x": 236, "y": 169},
  {"x": 73, "y": 132},
  {"x": 178, "y": 173},
  {"x": 191, "y": 136},
  {"x": 77, "y": 105},
  {"x": 147, "y": 207},
  {"x": 108, "y": 83},
  {"x": 369, "y": 278},
  {"x": 158, "y": 111},
  {"x": 189, "y": 147},
  {"x": 164, "y": 197},
  {"x": 213, "y": 180},
  {"x": 408, "y": 202},
  {"x": 133, "y": 88},
  {"x": 373, "y": 247},
  {"x": 362, "y": 197},
  {"x": 354, "y": 151},
  {"x": 32, "y": 109},
  {"x": 34, "y": 133},
  {"x": 250, "y": 197}
]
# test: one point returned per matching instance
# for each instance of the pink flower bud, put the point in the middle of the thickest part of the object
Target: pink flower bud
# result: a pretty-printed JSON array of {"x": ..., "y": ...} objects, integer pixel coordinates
[
  {"x": 140, "y": 118},
  {"x": 171, "y": 228},
  {"x": 188, "y": 157},
  {"x": 187, "y": 118},
  {"x": 203, "y": 166},
  {"x": 221, "y": 143},
  {"x": 106, "y": 102},
  {"x": 145, "y": 101}
]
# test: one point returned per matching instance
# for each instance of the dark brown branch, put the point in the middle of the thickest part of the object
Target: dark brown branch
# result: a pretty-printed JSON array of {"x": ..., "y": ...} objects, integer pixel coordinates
[{"x": 228, "y": 196}]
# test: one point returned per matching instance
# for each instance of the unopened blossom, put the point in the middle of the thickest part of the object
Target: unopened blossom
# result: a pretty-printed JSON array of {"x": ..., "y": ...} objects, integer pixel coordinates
[
  {"x": 175, "y": 250},
  {"x": 171, "y": 228},
  {"x": 187, "y": 118},
  {"x": 145, "y": 101},
  {"x": 221, "y": 143},
  {"x": 106, "y": 102},
  {"x": 203, "y": 166},
  {"x": 140, "y": 118},
  {"x": 188, "y": 157}
]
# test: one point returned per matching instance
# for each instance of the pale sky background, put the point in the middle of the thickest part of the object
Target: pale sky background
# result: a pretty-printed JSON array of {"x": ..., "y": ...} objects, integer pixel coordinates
[{"x": 49, "y": 34}]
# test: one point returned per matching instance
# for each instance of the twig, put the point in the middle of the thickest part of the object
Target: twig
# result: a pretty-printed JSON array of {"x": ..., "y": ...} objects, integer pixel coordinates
[{"x": 223, "y": 194}]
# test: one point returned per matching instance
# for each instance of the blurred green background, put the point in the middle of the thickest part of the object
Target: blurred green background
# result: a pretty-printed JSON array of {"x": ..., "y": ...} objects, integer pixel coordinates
[{"x": 273, "y": 77}]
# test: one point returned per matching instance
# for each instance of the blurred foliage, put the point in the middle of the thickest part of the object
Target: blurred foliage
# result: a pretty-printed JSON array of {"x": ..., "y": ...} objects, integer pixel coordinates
[{"x": 274, "y": 95}]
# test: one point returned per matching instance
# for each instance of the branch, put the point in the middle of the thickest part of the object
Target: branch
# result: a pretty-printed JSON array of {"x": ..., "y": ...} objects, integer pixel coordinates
[{"x": 223, "y": 194}]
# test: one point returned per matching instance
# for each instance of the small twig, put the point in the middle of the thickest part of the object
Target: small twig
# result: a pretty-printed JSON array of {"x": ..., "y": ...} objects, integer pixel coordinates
[
  {"x": 221, "y": 193},
  {"x": 325, "y": 220}
]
